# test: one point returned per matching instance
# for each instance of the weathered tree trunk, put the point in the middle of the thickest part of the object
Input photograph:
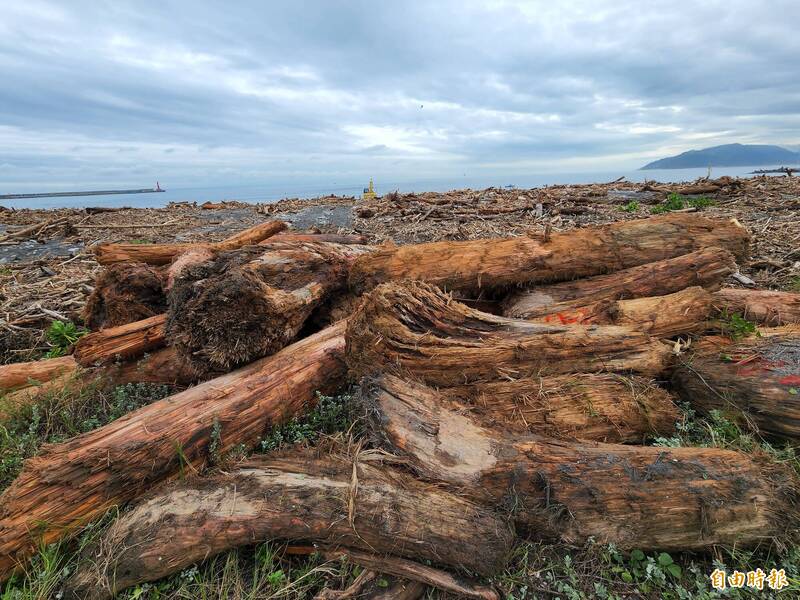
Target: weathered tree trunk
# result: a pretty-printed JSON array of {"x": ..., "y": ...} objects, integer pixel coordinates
[
  {"x": 680, "y": 313},
  {"x": 124, "y": 293},
  {"x": 761, "y": 306},
  {"x": 332, "y": 500},
  {"x": 603, "y": 407},
  {"x": 335, "y": 238},
  {"x": 755, "y": 381},
  {"x": 163, "y": 254},
  {"x": 188, "y": 259},
  {"x": 12, "y": 403},
  {"x": 19, "y": 375},
  {"x": 632, "y": 496},
  {"x": 501, "y": 263},
  {"x": 416, "y": 328},
  {"x": 162, "y": 366},
  {"x": 250, "y": 304},
  {"x": 68, "y": 484},
  {"x": 706, "y": 268},
  {"x": 121, "y": 343}
]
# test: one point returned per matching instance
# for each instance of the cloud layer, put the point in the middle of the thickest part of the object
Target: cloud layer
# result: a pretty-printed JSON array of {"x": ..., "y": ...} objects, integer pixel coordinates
[{"x": 201, "y": 93}]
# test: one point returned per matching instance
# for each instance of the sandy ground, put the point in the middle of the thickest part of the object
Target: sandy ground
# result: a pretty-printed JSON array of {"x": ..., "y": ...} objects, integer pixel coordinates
[{"x": 47, "y": 273}]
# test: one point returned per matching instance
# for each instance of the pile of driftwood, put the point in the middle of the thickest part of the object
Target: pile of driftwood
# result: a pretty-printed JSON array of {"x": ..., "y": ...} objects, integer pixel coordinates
[{"x": 508, "y": 387}]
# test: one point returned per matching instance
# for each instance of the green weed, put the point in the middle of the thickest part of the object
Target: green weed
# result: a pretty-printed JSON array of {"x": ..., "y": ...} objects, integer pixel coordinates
[
  {"x": 678, "y": 202},
  {"x": 630, "y": 207},
  {"x": 61, "y": 336},
  {"x": 736, "y": 327}
]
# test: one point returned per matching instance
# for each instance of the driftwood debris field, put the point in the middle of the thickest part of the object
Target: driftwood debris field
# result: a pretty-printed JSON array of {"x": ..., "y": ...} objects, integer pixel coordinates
[{"x": 515, "y": 361}]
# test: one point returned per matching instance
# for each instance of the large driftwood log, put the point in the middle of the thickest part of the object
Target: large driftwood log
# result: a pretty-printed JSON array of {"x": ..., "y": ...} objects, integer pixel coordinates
[
  {"x": 124, "y": 293},
  {"x": 249, "y": 304},
  {"x": 632, "y": 496},
  {"x": 706, "y": 268},
  {"x": 604, "y": 407},
  {"x": 162, "y": 366},
  {"x": 761, "y": 306},
  {"x": 501, "y": 263},
  {"x": 755, "y": 381},
  {"x": 333, "y": 500},
  {"x": 163, "y": 254},
  {"x": 415, "y": 327},
  {"x": 681, "y": 313},
  {"x": 121, "y": 343},
  {"x": 68, "y": 484},
  {"x": 19, "y": 375}
]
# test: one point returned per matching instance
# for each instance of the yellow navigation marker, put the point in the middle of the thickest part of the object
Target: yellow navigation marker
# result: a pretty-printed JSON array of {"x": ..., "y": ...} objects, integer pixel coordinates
[{"x": 369, "y": 193}]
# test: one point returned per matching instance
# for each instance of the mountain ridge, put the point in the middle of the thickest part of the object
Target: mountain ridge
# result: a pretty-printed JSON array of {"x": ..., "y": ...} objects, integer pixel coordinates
[{"x": 728, "y": 155}]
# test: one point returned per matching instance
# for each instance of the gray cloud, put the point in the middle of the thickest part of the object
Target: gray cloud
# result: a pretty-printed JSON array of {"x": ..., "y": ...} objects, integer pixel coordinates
[{"x": 233, "y": 92}]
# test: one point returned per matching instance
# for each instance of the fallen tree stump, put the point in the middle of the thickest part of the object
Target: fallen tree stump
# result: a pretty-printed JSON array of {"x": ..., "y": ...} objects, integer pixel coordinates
[
  {"x": 121, "y": 343},
  {"x": 632, "y": 496},
  {"x": 245, "y": 305},
  {"x": 330, "y": 500},
  {"x": 20, "y": 375},
  {"x": 502, "y": 263},
  {"x": 187, "y": 259},
  {"x": 124, "y": 293},
  {"x": 604, "y": 407},
  {"x": 163, "y": 254},
  {"x": 68, "y": 484},
  {"x": 415, "y": 327},
  {"x": 754, "y": 382},
  {"x": 706, "y": 268},
  {"x": 762, "y": 306}
]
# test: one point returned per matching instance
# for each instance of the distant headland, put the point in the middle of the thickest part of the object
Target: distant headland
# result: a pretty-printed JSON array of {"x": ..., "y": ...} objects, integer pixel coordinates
[{"x": 728, "y": 155}]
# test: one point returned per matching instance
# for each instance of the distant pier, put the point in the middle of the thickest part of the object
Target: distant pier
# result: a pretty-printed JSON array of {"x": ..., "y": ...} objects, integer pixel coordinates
[{"x": 91, "y": 193}]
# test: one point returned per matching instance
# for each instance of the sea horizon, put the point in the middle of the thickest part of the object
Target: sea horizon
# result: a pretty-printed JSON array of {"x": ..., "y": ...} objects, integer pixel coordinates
[{"x": 272, "y": 191}]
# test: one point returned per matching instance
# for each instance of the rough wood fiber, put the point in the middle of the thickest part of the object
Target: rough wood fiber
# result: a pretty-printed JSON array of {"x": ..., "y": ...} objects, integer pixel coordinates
[
  {"x": 762, "y": 306},
  {"x": 121, "y": 343},
  {"x": 124, "y": 293},
  {"x": 414, "y": 327},
  {"x": 502, "y": 263},
  {"x": 295, "y": 498},
  {"x": 632, "y": 496},
  {"x": 70, "y": 483}
]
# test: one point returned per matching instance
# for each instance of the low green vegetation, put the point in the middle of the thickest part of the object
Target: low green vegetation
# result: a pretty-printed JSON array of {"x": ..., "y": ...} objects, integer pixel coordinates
[
  {"x": 794, "y": 284},
  {"x": 630, "y": 207},
  {"x": 736, "y": 327},
  {"x": 677, "y": 202},
  {"x": 61, "y": 335}
]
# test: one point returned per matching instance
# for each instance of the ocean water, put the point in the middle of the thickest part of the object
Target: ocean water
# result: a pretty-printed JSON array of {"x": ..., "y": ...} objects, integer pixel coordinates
[{"x": 272, "y": 191}]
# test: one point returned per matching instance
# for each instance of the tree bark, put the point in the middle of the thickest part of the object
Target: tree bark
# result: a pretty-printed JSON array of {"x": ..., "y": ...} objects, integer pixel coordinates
[
  {"x": 19, "y": 375},
  {"x": 754, "y": 382},
  {"x": 69, "y": 484},
  {"x": 415, "y": 327},
  {"x": 188, "y": 259},
  {"x": 162, "y": 366},
  {"x": 250, "y": 304},
  {"x": 632, "y": 496},
  {"x": 502, "y": 263},
  {"x": 602, "y": 407},
  {"x": 124, "y": 293},
  {"x": 332, "y": 500},
  {"x": 163, "y": 254},
  {"x": 706, "y": 268},
  {"x": 762, "y": 306},
  {"x": 121, "y": 343}
]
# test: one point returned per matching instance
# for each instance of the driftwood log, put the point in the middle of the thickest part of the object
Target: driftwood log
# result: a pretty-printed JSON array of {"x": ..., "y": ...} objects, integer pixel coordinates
[
  {"x": 680, "y": 313},
  {"x": 124, "y": 293},
  {"x": 501, "y": 263},
  {"x": 604, "y": 407},
  {"x": 121, "y": 343},
  {"x": 754, "y": 382},
  {"x": 415, "y": 327},
  {"x": 333, "y": 500},
  {"x": 632, "y": 496},
  {"x": 163, "y": 254},
  {"x": 248, "y": 304},
  {"x": 19, "y": 375},
  {"x": 68, "y": 484},
  {"x": 762, "y": 306},
  {"x": 706, "y": 268}
]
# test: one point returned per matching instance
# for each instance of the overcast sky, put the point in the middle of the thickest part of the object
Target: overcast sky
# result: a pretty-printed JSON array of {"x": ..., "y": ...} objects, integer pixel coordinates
[{"x": 228, "y": 92}]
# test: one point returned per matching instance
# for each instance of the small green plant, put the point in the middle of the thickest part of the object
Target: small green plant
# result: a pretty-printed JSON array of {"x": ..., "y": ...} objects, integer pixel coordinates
[
  {"x": 677, "y": 202},
  {"x": 630, "y": 207},
  {"x": 794, "y": 284},
  {"x": 331, "y": 415},
  {"x": 61, "y": 336},
  {"x": 736, "y": 327}
]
